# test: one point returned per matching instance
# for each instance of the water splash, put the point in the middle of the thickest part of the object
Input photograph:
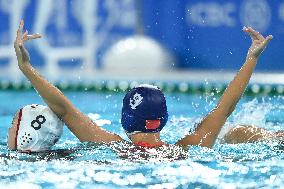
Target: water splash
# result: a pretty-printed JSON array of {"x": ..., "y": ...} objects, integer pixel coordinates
[{"x": 252, "y": 113}]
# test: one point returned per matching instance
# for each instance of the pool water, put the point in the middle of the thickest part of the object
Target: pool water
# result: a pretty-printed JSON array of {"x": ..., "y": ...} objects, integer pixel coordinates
[{"x": 72, "y": 164}]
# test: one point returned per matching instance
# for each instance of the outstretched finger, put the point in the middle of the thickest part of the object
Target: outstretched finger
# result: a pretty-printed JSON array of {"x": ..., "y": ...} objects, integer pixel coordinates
[
  {"x": 256, "y": 34},
  {"x": 33, "y": 36},
  {"x": 253, "y": 34},
  {"x": 248, "y": 31},
  {"x": 20, "y": 29}
]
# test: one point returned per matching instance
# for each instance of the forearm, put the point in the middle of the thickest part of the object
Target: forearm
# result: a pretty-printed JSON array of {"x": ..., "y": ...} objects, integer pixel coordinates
[
  {"x": 231, "y": 97},
  {"x": 50, "y": 94},
  {"x": 210, "y": 126},
  {"x": 228, "y": 101},
  {"x": 81, "y": 125},
  {"x": 237, "y": 86}
]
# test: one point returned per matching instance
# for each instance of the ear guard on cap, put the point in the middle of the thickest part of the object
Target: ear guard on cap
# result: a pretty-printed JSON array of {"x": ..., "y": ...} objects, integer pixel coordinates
[{"x": 27, "y": 139}]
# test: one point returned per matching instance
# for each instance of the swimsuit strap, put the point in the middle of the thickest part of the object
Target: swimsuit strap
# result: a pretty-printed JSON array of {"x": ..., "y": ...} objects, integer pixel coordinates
[{"x": 148, "y": 145}]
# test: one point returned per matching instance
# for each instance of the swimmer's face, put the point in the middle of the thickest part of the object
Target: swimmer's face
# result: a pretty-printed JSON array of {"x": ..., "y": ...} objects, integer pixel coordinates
[{"x": 12, "y": 133}]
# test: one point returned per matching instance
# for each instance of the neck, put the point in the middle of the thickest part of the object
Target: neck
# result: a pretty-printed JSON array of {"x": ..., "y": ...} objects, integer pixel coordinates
[{"x": 150, "y": 138}]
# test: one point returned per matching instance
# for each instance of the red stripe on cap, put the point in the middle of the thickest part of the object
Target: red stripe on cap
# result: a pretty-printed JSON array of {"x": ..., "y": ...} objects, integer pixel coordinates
[
  {"x": 152, "y": 124},
  {"x": 18, "y": 125}
]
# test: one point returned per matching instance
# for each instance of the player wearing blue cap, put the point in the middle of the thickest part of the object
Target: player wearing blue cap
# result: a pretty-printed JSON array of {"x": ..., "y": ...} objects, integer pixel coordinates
[
  {"x": 144, "y": 111},
  {"x": 144, "y": 114}
]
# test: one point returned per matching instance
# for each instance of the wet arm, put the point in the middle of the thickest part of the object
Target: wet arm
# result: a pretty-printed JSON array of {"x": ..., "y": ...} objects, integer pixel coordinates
[
  {"x": 77, "y": 122},
  {"x": 81, "y": 125},
  {"x": 210, "y": 126}
]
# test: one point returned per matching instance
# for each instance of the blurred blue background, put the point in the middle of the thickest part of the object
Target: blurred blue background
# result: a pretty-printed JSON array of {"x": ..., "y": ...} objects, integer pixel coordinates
[
  {"x": 202, "y": 35},
  {"x": 207, "y": 34}
]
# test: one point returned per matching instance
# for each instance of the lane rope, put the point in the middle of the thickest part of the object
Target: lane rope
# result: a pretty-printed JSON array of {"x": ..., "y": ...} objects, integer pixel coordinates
[{"x": 166, "y": 86}]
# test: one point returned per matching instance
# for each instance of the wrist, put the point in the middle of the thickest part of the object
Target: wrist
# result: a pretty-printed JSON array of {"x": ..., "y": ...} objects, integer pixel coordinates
[{"x": 251, "y": 56}]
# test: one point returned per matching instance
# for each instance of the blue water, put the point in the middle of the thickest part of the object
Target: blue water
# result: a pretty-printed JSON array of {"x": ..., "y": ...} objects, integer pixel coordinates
[{"x": 76, "y": 165}]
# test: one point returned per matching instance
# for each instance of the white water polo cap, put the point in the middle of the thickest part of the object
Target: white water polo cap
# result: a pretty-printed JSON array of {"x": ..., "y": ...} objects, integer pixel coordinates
[{"x": 38, "y": 128}]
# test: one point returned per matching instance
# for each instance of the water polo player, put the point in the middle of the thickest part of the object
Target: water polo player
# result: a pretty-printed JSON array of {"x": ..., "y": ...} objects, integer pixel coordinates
[
  {"x": 144, "y": 111},
  {"x": 34, "y": 128},
  {"x": 250, "y": 133}
]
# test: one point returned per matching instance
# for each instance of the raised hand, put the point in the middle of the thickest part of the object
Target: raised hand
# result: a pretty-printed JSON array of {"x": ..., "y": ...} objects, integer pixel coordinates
[
  {"x": 22, "y": 54},
  {"x": 258, "y": 42}
]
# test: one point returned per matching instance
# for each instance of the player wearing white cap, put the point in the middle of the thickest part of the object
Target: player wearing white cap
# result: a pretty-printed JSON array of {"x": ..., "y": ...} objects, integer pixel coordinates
[{"x": 34, "y": 128}]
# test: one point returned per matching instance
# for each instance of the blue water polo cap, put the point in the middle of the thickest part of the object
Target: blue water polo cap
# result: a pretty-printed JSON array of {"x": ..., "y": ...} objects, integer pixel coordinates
[{"x": 144, "y": 110}]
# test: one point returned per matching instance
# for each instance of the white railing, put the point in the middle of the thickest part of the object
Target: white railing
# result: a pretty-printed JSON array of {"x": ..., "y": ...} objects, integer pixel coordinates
[{"x": 96, "y": 31}]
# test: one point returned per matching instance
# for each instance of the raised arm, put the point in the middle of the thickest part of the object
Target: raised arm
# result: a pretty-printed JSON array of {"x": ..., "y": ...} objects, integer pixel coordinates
[
  {"x": 80, "y": 125},
  {"x": 209, "y": 128}
]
